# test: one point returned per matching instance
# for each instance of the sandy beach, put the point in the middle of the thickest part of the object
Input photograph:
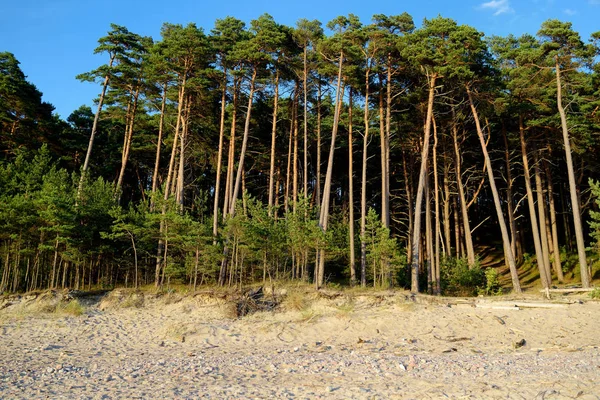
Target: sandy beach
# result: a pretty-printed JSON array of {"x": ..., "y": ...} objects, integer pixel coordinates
[{"x": 368, "y": 345}]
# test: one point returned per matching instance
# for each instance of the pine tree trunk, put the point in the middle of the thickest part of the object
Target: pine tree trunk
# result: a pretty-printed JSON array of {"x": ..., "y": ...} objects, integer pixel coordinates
[
  {"x": 273, "y": 143},
  {"x": 436, "y": 258},
  {"x": 238, "y": 178},
  {"x": 158, "y": 145},
  {"x": 409, "y": 203},
  {"x": 383, "y": 155},
  {"x": 318, "y": 172},
  {"x": 428, "y": 238},
  {"x": 363, "y": 189},
  {"x": 583, "y": 266},
  {"x": 128, "y": 139},
  {"x": 530, "y": 202},
  {"x": 505, "y": 239},
  {"x": 553, "y": 225},
  {"x": 351, "y": 192},
  {"x": 463, "y": 201},
  {"x": 94, "y": 129},
  {"x": 219, "y": 161},
  {"x": 542, "y": 218},
  {"x": 295, "y": 168},
  {"x": 447, "y": 235},
  {"x": 231, "y": 156},
  {"x": 509, "y": 194},
  {"x": 324, "y": 216},
  {"x": 305, "y": 122},
  {"x": 416, "y": 233}
]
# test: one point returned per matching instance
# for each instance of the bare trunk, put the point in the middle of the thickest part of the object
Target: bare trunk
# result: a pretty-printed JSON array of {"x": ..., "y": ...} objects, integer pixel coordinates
[
  {"x": 436, "y": 258},
  {"x": 505, "y": 239},
  {"x": 305, "y": 87},
  {"x": 219, "y": 161},
  {"x": 509, "y": 195},
  {"x": 553, "y": 225},
  {"x": 128, "y": 139},
  {"x": 351, "y": 193},
  {"x": 463, "y": 201},
  {"x": 318, "y": 172},
  {"x": 273, "y": 142},
  {"x": 416, "y": 233},
  {"x": 542, "y": 218},
  {"x": 295, "y": 122},
  {"x": 238, "y": 178},
  {"x": 363, "y": 189},
  {"x": 94, "y": 129},
  {"x": 530, "y": 202},
  {"x": 159, "y": 144},
  {"x": 583, "y": 266},
  {"x": 324, "y": 216},
  {"x": 231, "y": 156}
]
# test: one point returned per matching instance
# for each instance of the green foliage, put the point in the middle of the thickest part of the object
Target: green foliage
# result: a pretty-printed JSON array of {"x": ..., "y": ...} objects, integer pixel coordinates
[
  {"x": 387, "y": 261},
  {"x": 460, "y": 279},
  {"x": 595, "y": 216}
]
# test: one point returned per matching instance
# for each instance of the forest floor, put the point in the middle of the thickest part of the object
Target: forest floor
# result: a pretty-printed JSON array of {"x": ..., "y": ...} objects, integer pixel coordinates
[{"x": 335, "y": 345}]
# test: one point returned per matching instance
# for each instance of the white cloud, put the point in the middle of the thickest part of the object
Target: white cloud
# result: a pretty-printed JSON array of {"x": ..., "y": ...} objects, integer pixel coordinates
[
  {"x": 501, "y": 6},
  {"x": 594, "y": 2},
  {"x": 569, "y": 11}
]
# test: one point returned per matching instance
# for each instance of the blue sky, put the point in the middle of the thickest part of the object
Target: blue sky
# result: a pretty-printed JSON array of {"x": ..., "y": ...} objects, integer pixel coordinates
[{"x": 54, "y": 39}]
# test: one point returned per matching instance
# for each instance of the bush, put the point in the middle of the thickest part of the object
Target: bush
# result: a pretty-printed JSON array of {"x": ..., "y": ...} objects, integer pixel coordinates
[{"x": 458, "y": 279}]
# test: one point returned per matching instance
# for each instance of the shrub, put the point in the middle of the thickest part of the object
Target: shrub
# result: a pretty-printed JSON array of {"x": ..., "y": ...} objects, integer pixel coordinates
[{"x": 458, "y": 279}]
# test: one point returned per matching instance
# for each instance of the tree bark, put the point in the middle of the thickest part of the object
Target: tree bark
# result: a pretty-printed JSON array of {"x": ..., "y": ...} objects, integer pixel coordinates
[
  {"x": 542, "y": 219},
  {"x": 463, "y": 201},
  {"x": 505, "y": 239},
  {"x": 351, "y": 192},
  {"x": 583, "y": 266},
  {"x": 416, "y": 233},
  {"x": 530, "y": 202},
  {"x": 238, "y": 179},
  {"x": 363, "y": 189},
  {"x": 553, "y": 225},
  {"x": 273, "y": 142},
  {"x": 219, "y": 160},
  {"x": 158, "y": 145},
  {"x": 94, "y": 130},
  {"x": 324, "y": 215}
]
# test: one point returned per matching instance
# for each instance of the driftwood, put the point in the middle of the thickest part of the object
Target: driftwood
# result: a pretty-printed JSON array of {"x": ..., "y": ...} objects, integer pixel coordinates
[
  {"x": 568, "y": 290},
  {"x": 253, "y": 301}
]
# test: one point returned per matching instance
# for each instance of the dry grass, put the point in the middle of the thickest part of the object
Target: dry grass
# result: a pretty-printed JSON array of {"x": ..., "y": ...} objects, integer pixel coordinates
[{"x": 73, "y": 308}]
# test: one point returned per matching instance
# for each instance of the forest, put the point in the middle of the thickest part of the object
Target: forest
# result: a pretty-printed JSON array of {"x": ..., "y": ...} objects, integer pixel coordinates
[{"x": 358, "y": 153}]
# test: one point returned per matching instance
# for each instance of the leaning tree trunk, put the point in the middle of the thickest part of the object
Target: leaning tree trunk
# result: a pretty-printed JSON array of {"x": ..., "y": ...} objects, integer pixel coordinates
[
  {"x": 128, "y": 139},
  {"x": 158, "y": 145},
  {"x": 505, "y": 239},
  {"x": 530, "y": 202},
  {"x": 324, "y": 216},
  {"x": 416, "y": 233},
  {"x": 542, "y": 218},
  {"x": 94, "y": 129},
  {"x": 219, "y": 160},
  {"x": 583, "y": 266},
  {"x": 463, "y": 201},
  {"x": 273, "y": 142},
  {"x": 238, "y": 179}
]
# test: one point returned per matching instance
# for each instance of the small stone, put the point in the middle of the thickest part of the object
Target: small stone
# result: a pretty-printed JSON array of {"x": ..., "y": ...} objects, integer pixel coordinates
[
  {"x": 402, "y": 367},
  {"x": 49, "y": 370},
  {"x": 330, "y": 389}
]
